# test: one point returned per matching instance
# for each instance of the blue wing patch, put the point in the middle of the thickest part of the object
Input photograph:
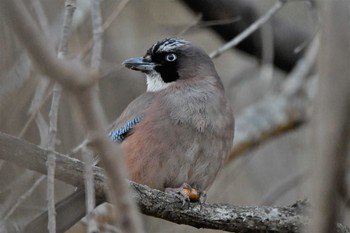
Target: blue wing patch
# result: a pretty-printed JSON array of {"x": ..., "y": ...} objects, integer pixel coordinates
[{"x": 120, "y": 134}]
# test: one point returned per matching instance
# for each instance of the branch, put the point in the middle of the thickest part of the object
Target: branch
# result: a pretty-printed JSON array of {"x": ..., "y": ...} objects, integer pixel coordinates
[
  {"x": 263, "y": 121},
  {"x": 159, "y": 204},
  {"x": 110, "y": 19},
  {"x": 69, "y": 73},
  {"x": 252, "y": 28},
  {"x": 74, "y": 76},
  {"x": 97, "y": 33},
  {"x": 90, "y": 202},
  {"x": 53, "y": 117},
  {"x": 33, "y": 157},
  {"x": 331, "y": 144},
  {"x": 271, "y": 117},
  {"x": 51, "y": 163},
  {"x": 225, "y": 217},
  {"x": 286, "y": 36},
  {"x": 279, "y": 113}
]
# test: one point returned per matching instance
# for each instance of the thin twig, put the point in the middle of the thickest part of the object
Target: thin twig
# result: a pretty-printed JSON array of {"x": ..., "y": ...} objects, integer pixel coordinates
[
  {"x": 252, "y": 28},
  {"x": 97, "y": 33},
  {"x": 14, "y": 190},
  {"x": 296, "y": 78},
  {"x": 70, "y": 73},
  {"x": 105, "y": 26},
  {"x": 53, "y": 116},
  {"x": 195, "y": 21},
  {"x": 42, "y": 18},
  {"x": 38, "y": 100},
  {"x": 217, "y": 22},
  {"x": 124, "y": 206},
  {"x": 39, "y": 97},
  {"x": 51, "y": 160},
  {"x": 34, "y": 111},
  {"x": 196, "y": 24},
  {"x": 70, "y": 6},
  {"x": 43, "y": 129},
  {"x": 267, "y": 55},
  {"x": 92, "y": 225},
  {"x": 23, "y": 198}
]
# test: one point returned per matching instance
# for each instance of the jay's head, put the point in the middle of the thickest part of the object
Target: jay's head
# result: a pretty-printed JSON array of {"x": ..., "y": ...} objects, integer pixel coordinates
[{"x": 170, "y": 60}]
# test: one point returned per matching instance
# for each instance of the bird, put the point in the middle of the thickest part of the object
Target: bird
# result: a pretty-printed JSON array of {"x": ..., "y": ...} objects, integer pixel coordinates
[
  {"x": 179, "y": 132},
  {"x": 177, "y": 135}
]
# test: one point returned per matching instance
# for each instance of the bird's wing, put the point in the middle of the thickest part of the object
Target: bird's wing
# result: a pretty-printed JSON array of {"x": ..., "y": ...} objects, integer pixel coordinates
[{"x": 132, "y": 115}]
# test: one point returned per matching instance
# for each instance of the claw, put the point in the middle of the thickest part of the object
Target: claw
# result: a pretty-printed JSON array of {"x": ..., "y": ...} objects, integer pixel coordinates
[
  {"x": 188, "y": 194},
  {"x": 202, "y": 197},
  {"x": 180, "y": 193}
]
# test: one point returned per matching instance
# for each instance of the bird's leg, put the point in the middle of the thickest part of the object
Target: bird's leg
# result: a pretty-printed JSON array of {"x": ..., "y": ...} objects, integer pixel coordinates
[
  {"x": 181, "y": 192},
  {"x": 202, "y": 197},
  {"x": 186, "y": 193}
]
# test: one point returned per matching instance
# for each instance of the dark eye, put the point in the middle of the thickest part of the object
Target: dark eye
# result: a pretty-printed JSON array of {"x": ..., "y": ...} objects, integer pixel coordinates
[{"x": 170, "y": 57}]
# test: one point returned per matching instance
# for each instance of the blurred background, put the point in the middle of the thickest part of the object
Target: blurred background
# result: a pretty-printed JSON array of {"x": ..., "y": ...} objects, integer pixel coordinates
[{"x": 270, "y": 173}]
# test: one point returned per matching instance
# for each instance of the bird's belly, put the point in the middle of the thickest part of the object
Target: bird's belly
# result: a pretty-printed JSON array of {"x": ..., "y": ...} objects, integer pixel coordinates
[
  {"x": 176, "y": 160},
  {"x": 205, "y": 165},
  {"x": 172, "y": 169}
]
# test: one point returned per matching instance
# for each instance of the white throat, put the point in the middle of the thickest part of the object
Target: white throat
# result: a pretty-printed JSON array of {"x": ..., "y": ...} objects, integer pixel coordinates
[{"x": 155, "y": 82}]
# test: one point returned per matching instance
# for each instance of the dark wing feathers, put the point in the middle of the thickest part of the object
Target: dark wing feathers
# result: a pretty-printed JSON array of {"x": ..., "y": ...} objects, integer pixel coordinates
[
  {"x": 132, "y": 115},
  {"x": 120, "y": 134}
]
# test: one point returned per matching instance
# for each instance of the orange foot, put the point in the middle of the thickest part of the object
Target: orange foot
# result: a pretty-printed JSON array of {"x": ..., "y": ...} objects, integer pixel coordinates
[{"x": 188, "y": 194}]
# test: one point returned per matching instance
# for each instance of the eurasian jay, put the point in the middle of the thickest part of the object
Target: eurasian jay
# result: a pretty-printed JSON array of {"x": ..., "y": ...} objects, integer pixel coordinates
[{"x": 177, "y": 135}]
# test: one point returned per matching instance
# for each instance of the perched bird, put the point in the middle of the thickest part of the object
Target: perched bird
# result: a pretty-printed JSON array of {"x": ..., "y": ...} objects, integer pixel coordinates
[
  {"x": 179, "y": 132},
  {"x": 177, "y": 135}
]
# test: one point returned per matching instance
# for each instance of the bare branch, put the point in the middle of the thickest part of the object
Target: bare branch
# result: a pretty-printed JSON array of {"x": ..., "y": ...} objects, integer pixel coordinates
[
  {"x": 105, "y": 25},
  {"x": 23, "y": 198},
  {"x": 252, "y": 28},
  {"x": 50, "y": 195},
  {"x": 53, "y": 116},
  {"x": 331, "y": 118},
  {"x": 287, "y": 36},
  {"x": 70, "y": 6},
  {"x": 37, "y": 103},
  {"x": 280, "y": 113},
  {"x": 18, "y": 190},
  {"x": 30, "y": 156},
  {"x": 162, "y": 205},
  {"x": 296, "y": 79},
  {"x": 90, "y": 202},
  {"x": 267, "y": 119},
  {"x": 193, "y": 23},
  {"x": 51, "y": 163},
  {"x": 127, "y": 218},
  {"x": 72, "y": 74},
  {"x": 97, "y": 32},
  {"x": 75, "y": 77}
]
